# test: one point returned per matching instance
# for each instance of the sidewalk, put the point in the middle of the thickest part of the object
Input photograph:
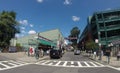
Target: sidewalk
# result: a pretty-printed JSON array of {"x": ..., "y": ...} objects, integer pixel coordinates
[
  {"x": 31, "y": 59},
  {"x": 21, "y": 56},
  {"x": 113, "y": 61}
]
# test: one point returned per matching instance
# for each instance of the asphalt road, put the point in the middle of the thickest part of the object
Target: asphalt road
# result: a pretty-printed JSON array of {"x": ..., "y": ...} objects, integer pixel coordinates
[{"x": 69, "y": 63}]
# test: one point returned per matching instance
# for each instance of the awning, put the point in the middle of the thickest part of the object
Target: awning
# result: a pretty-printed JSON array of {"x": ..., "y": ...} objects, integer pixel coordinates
[{"x": 45, "y": 42}]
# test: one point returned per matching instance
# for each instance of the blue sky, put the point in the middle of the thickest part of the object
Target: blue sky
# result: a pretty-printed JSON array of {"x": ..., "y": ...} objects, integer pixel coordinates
[{"x": 42, "y": 15}]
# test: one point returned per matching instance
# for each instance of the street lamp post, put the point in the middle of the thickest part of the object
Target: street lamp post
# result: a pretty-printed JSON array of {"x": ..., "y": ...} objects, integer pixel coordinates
[
  {"x": 36, "y": 48},
  {"x": 99, "y": 51}
]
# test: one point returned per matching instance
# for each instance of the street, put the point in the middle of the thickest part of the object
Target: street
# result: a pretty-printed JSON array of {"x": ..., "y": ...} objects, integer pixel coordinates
[{"x": 69, "y": 63}]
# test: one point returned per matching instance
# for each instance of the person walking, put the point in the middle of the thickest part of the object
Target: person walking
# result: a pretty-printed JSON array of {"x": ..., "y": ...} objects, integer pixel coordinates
[
  {"x": 108, "y": 54},
  {"x": 30, "y": 51},
  {"x": 37, "y": 53},
  {"x": 95, "y": 54},
  {"x": 118, "y": 55}
]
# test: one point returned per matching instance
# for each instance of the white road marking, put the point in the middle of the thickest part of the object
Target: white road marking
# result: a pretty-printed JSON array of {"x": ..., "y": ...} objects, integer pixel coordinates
[
  {"x": 79, "y": 64},
  {"x": 65, "y": 63},
  {"x": 5, "y": 65},
  {"x": 41, "y": 61},
  {"x": 58, "y": 63},
  {"x": 44, "y": 63},
  {"x": 87, "y": 64},
  {"x": 99, "y": 64},
  {"x": 70, "y": 63},
  {"x": 93, "y": 64},
  {"x": 13, "y": 63}
]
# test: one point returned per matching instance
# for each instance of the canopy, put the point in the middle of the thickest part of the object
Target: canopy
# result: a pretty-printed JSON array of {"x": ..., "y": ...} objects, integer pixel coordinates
[{"x": 45, "y": 42}]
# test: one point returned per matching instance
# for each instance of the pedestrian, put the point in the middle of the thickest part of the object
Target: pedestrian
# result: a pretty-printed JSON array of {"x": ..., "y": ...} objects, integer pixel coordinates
[
  {"x": 102, "y": 54},
  {"x": 118, "y": 55},
  {"x": 108, "y": 54},
  {"x": 41, "y": 53},
  {"x": 30, "y": 50},
  {"x": 37, "y": 53},
  {"x": 95, "y": 54}
]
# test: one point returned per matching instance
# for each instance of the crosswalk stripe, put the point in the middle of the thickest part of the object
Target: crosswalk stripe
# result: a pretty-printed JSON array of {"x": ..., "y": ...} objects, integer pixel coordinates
[
  {"x": 118, "y": 68},
  {"x": 58, "y": 63},
  {"x": 79, "y": 64},
  {"x": 87, "y": 64},
  {"x": 51, "y": 63},
  {"x": 72, "y": 63},
  {"x": 45, "y": 62},
  {"x": 65, "y": 63},
  {"x": 99, "y": 64},
  {"x": 93, "y": 64},
  {"x": 4, "y": 61},
  {"x": 41, "y": 61},
  {"x": 15, "y": 62},
  {"x": 5, "y": 65},
  {"x": 21, "y": 62},
  {"x": 11, "y": 64}
]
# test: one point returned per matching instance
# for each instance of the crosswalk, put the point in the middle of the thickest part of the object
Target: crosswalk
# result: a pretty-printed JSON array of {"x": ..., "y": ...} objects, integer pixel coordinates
[
  {"x": 70, "y": 63},
  {"x": 4, "y": 65},
  {"x": 11, "y": 64}
]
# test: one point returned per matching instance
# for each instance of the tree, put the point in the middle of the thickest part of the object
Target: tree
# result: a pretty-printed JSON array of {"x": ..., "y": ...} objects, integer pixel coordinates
[
  {"x": 74, "y": 36},
  {"x": 8, "y": 27},
  {"x": 91, "y": 45}
]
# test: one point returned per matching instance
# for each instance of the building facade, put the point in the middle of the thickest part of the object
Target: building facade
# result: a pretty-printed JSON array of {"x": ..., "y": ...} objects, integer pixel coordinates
[
  {"x": 104, "y": 26},
  {"x": 45, "y": 39}
]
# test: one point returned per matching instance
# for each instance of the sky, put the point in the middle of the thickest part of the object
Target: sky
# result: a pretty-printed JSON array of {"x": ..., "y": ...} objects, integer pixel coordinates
[{"x": 42, "y": 15}]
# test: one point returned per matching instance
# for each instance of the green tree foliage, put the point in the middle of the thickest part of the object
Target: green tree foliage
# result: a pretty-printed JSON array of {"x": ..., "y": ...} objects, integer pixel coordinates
[
  {"x": 18, "y": 45},
  {"x": 74, "y": 33},
  {"x": 8, "y": 27},
  {"x": 91, "y": 45}
]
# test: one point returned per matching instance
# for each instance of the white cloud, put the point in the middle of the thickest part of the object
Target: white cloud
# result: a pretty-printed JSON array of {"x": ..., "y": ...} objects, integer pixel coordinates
[
  {"x": 75, "y": 18},
  {"x": 67, "y": 2},
  {"x": 31, "y": 25},
  {"x": 19, "y": 35},
  {"x": 40, "y": 1},
  {"x": 32, "y": 32},
  {"x": 24, "y": 22},
  {"x": 108, "y": 9},
  {"x": 23, "y": 28},
  {"x": 23, "y": 31}
]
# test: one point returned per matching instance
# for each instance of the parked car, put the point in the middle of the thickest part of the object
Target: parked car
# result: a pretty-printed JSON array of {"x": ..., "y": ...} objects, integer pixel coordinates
[
  {"x": 12, "y": 49},
  {"x": 76, "y": 52},
  {"x": 55, "y": 53}
]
